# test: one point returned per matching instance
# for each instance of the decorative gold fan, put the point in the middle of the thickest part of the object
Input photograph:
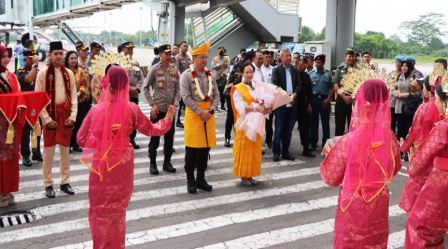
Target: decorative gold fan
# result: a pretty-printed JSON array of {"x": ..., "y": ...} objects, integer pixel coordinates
[
  {"x": 102, "y": 60},
  {"x": 357, "y": 75},
  {"x": 438, "y": 71},
  {"x": 444, "y": 83}
]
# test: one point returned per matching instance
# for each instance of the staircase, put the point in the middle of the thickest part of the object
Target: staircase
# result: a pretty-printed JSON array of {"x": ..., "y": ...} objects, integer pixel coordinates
[{"x": 69, "y": 32}]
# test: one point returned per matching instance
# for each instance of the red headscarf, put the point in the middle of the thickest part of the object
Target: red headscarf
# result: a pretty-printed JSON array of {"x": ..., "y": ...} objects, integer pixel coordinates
[
  {"x": 370, "y": 143},
  {"x": 3, "y": 50}
]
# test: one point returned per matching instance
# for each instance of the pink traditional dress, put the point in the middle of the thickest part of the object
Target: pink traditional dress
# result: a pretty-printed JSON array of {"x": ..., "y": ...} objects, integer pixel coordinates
[
  {"x": 425, "y": 117},
  {"x": 105, "y": 137},
  {"x": 364, "y": 161},
  {"x": 428, "y": 218}
]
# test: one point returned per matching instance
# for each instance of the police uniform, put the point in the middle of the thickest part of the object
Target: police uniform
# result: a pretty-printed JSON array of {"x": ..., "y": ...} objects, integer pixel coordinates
[
  {"x": 220, "y": 73},
  {"x": 27, "y": 130},
  {"x": 182, "y": 63},
  {"x": 136, "y": 78},
  {"x": 322, "y": 85},
  {"x": 199, "y": 136},
  {"x": 164, "y": 80},
  {"x": 343, "y": 111}
]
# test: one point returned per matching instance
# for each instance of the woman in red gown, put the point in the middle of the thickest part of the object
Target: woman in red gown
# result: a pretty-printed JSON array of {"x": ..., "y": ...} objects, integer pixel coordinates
[
  {"x": 104, "y": 135},
  {"x": 428, "y": 219},
  {"x": 364, "y": 161},
  {"x": 9, "y": 152}
]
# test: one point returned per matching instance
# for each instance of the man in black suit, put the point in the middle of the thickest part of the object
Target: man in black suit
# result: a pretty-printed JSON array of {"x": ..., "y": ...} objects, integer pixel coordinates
[{"x": 285, "y": 76}]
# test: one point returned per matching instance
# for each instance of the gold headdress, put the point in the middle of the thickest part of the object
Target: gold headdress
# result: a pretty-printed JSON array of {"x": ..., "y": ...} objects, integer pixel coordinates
[
  {"x": 444, "y": 83},
  {"x": 438, "y": 71},
  {"x": 101, "y": 61},
  {"x": 203, "y": 49},
  {"x": 357, "y": 75}
]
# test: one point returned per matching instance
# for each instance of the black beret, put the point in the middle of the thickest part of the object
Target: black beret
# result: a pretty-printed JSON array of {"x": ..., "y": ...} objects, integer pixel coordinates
[{"x": 320, "y": 57}]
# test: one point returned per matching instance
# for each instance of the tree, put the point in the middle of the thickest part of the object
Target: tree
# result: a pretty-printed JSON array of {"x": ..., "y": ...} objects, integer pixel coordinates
[
  {"x": 425, "y": 29},
  {"x": 307, "y": 34}
]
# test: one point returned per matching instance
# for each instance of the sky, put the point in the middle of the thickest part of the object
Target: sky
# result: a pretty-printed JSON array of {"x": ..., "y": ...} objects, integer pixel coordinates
[{"x": 371, "y": 15}]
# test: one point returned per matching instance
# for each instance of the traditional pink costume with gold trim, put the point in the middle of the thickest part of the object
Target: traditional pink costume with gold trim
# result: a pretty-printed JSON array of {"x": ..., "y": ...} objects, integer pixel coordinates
[
  {"x": 364, "y": 161},
  {"x": 428, "y": 218},
  {"x": 105, "y": 136}
]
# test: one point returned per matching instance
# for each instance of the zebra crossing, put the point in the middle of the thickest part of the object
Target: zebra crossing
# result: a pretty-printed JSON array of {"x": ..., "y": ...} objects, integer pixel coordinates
[{"x": 291, "y": 208}]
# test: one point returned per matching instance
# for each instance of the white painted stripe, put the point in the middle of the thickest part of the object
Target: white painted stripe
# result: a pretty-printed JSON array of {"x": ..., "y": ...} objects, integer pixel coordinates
[
  {"x": 396, "y": 240},
  {"x": 22, "y": 218},
  {"x": 191, "y": 227},
  {"x": 285, "y": 235},
  {"x": 154, "y": 211},
  {"x": 142, "y": 181},
  {"x": 65, "y": 207},
  {"x": 80, "y": 167}
]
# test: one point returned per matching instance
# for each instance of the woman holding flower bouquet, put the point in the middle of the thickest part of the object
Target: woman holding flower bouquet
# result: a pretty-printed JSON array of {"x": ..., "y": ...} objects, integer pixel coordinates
[
  {"x": 252, "y": 102},
  {"x": 81, "y": 77}
]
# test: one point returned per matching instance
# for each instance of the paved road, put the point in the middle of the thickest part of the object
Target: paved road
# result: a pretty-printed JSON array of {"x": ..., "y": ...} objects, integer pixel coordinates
[{"x": 291, "y": 208}]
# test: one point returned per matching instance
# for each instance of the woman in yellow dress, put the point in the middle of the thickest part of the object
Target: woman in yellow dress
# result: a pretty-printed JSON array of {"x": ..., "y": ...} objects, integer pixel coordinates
[{"x": 246, "y": 153}]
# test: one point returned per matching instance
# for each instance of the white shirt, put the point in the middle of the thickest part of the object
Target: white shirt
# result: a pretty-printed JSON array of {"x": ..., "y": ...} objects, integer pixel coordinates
[
  {"x": 258, "y": 74},
  {"x": 59, "y": 92},
  {"x": 267, "y": 73}
]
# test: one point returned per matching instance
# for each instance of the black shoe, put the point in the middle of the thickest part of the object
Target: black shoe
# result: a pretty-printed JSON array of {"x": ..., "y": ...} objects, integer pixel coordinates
[
  {"x": 223, "y": 108},
  {"x": 179, "y": 124},
  {"x": 66, "y": 188},
  {"x": 136, "y": 146},
  {"x": 77, "y": 149},
  {"x": 191, "y": 187},
  {"x": 288, "y": 157},
  {"x": 27, "y": 162},
  {"x": 168, "y": 167},
  {"x": 153, "y": 168},
  {"x": 202, "y": 184},
  {"x": 37, "y": 157},
  {"x": 49, "y": 192},
  {"x": 308, "y": 153},
  {"x": 263, "y": 152},
  {"x": 173, "y": 150},
  {"x": 227, "y": 142},
  {"x": 269, "y": 145},
  {"x": 276, "y": 158}
]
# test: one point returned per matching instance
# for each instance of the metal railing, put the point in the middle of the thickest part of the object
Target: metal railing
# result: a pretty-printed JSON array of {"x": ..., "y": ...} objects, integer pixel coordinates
[
  {"x": 286, "y": 6},
  {"x": 205, "y": 28}
]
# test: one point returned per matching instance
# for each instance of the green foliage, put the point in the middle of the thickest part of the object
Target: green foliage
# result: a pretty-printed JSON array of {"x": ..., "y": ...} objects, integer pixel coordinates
[
  {"x": 115, "y": 38},
  {"x": 425, "y": 29}
]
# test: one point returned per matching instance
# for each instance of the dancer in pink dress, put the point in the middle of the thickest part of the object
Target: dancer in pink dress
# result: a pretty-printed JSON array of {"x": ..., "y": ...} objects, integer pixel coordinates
[
  {"x": 424, "y": 120},
  {"x": 364, "y": 161},
  {"x": 108, "y": 153},
  {"x": 428, "y": 219}
]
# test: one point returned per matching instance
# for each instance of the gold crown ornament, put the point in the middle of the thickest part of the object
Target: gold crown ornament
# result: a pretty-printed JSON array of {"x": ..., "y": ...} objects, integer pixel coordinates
[
  {"x": 359, "y": 74},
  {"x": 102, "y": 60}
]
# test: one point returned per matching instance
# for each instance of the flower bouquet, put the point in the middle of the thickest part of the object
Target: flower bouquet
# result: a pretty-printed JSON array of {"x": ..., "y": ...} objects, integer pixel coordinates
[{"x": 267, "y": 95}]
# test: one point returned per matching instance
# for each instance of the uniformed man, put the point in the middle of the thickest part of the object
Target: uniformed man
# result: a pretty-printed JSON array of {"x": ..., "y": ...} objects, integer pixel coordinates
[
  {"x": 94, "y": 84},
  {"x": 343, "y": 108},
  {"x": 163, "y": 78},
  {"x": 304, "y": 104},
  {"x": 136, "y": 78},
  {"x": 366, "y": 57},
  {"x": 81, "y": 50},
  {"x": 201, "y": 96},
  {"x": 221, "y": 66},
  {"x": 175, "y": 49},
  {"x": 394, "y": 75},
  {"x": 310, "y": 64},
  {"x": 182, "y": 63},
  {"x": 323, "y": 91},
  {"x": 27, "y": 79}
]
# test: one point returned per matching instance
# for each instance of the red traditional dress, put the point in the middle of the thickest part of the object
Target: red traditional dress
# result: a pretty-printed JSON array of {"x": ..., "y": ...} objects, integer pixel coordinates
[
  {"x": 104, "y": 135},
  {"x": 428, "y": 218},
  {"x": 425, "y": 117},
  {"x": 364, "y": 161}
]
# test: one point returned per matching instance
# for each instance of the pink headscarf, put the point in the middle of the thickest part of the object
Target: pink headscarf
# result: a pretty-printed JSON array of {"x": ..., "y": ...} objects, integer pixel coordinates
[
  {"x": 370, "y": 144},
  {"x": 108, "y": 142}
]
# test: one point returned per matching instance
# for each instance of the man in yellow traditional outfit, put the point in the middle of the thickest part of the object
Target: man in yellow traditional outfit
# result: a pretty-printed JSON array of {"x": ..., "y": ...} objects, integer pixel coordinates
[{"x": 200, "y": 94}]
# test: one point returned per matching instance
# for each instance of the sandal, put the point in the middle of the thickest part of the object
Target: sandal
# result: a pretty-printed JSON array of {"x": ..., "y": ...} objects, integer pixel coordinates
[{"x": 6, "y": 201}]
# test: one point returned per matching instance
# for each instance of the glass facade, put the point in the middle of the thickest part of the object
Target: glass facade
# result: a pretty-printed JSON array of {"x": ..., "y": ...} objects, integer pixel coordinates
[{"x": 41, "y": 7}]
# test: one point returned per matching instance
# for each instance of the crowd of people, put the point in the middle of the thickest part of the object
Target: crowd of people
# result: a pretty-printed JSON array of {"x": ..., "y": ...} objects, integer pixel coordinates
[{"x": 375, "y": 128}]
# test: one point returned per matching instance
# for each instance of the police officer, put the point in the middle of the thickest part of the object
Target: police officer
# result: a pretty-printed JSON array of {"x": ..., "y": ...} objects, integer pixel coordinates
[
  {"x": 135, "y": 82},
  {"x": 321, "y": 101},
  {"x": 220, "y": 65},
  {"x": 304, "y": 104},
  {"x": 27, "y": 78},
  {"x": 182, "y": 63},
  {"x": 343, "y": 108},
  {"x": 310, "y": 64},
  {"x": 163, "y": 78}
]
